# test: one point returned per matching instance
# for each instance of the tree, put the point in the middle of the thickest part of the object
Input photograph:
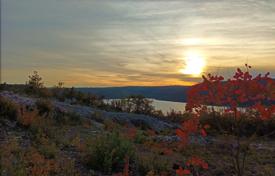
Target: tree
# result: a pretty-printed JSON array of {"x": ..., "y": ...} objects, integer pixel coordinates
[
  {"x": 134, "y": 104},
  {"x": 254, "y": 94},
  {"x": 36, "y": 86},
  {"x": 35, "y": 81}
]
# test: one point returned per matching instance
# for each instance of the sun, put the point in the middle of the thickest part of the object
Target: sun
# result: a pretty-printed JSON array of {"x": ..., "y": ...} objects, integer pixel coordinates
[{"x": 195, "y": 64}]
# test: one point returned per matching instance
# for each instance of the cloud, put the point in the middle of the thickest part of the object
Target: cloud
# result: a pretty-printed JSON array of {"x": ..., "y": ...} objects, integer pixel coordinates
[{"x": 133, "y": 42}]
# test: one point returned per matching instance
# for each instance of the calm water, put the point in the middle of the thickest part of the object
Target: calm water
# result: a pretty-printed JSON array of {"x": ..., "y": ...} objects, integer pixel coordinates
[
  {"x": 167, "y": 106},
  {"x": 164, "y": 106}
]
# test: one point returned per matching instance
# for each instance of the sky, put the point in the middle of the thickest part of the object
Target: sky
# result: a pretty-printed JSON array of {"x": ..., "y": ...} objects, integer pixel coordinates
[{"x": 99, "y": 43}]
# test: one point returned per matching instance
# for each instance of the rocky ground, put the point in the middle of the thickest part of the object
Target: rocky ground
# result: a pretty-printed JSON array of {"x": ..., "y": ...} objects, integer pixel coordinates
[
  {"x": 215, "y": 150},
  {"x": 88, "y": 112}
]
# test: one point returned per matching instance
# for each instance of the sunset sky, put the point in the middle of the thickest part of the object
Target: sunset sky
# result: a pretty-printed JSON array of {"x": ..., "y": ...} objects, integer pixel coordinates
[{"x": 127, "y": 42}]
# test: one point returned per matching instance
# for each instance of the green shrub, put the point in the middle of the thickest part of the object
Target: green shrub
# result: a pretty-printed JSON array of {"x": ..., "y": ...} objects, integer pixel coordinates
[
  {"x": 140, "y": 137},
  {"x": 108, "y": 153},
  {"x": 44, "y": 106},
  {"x": 49, "y": 150},
  {"x": 60, "y": 117},
  {"x": 153, "y": 163},
  {"x": 8, "y": 109},
  {"x": 74, "y": 119}
]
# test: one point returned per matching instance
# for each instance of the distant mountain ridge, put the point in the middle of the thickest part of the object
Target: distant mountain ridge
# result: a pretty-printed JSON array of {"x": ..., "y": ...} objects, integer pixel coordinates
[{"x": 167, "y": 93}]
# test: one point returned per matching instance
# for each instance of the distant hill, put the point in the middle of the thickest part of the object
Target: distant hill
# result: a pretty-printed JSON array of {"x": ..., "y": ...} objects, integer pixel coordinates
[{"x": 167, "y": 93}]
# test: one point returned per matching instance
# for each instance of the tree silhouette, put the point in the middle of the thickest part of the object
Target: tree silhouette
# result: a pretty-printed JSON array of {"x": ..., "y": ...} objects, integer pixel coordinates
[{"x": 35, "y": 81}]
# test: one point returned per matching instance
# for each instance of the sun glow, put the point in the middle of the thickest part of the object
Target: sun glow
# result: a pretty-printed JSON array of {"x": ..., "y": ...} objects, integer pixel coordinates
[
  {"x": 191, "y": 41},
  {"x": 194, "y": 64}
]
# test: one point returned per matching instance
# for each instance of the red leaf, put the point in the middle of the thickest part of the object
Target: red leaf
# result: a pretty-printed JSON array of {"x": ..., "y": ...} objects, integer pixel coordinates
[
  {"x": 182, "y": 172},
  {"x": 203, "y": 133}
]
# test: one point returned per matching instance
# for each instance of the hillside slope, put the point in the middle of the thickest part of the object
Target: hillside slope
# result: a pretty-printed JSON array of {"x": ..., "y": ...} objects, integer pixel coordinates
[{"x": 88, "y": 112}]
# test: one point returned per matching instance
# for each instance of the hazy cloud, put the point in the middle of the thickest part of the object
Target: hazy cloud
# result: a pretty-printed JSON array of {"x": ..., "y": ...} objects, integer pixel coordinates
[{"x": 119, "y": 42}]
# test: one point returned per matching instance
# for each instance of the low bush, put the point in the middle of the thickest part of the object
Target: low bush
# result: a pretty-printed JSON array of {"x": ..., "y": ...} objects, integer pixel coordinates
[
  {"x": 74, "y": 119},
  {"x": 27, "y": 117},
  {"x": 140, "y": 137},
  {"x": 108, "y": 153},
  {"x": 8, "y": 109},
  {"x": 44, "y": 106},
  {"x": 49, "y": 150},
  {"x": 60, "y": 116},
  {"x": 149, "y": 164},
  {"x": 221, "y": 124}
]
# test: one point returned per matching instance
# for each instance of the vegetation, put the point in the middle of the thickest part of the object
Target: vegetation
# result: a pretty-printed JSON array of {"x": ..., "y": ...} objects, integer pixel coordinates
[
  {"x": 241, "y": 90},
  {"x": 8, "y": 109},
  {"x": 108, "y": 153},
  {"x": 134, "y": 104},
  {"x": 44, "y": 106},
  {"x": 44, "y": 139},
  {"x": 35, "y": 81}
]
